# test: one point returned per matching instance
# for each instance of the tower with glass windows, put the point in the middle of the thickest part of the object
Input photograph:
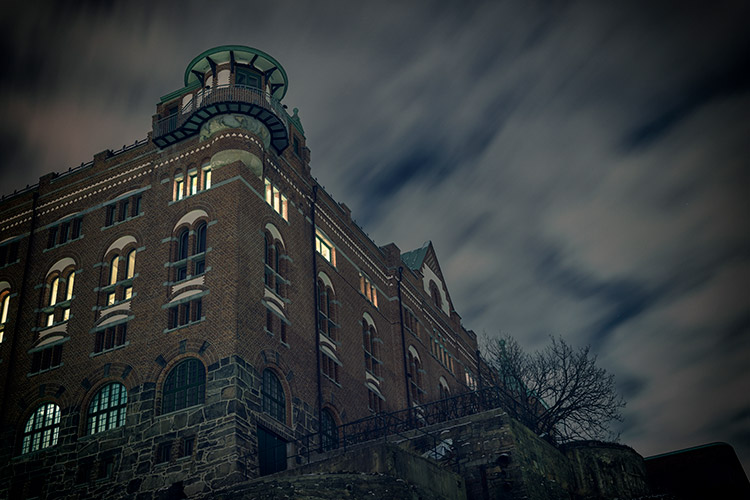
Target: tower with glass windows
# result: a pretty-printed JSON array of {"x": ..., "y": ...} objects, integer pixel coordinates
[{"x": 195, "y": 310}]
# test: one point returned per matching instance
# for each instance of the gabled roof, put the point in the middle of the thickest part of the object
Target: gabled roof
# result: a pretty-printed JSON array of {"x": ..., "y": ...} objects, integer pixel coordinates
[{"x": 415, "y": 258}]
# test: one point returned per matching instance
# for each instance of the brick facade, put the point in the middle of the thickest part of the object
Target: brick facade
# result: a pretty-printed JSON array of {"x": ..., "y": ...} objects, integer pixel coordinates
[{"x": 219, "y": 276}]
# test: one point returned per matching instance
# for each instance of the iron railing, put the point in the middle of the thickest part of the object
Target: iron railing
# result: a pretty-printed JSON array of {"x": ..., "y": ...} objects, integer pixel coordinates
[
  {"x": 381, "y": 426},
  {"x": 220, "y": 94}
]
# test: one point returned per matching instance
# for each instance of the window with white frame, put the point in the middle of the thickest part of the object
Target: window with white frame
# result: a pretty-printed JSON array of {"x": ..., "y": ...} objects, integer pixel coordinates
[
  {"x": 42, "y": 428},
  {"x": 325, "y": 248}
]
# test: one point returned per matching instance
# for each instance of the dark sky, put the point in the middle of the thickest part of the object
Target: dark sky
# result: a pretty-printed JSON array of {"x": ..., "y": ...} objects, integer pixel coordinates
[{"x": 581, "y": 167}]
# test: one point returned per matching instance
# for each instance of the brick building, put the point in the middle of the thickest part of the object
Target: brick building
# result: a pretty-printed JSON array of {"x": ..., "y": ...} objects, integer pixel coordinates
[{"x": 186, "y": 309}]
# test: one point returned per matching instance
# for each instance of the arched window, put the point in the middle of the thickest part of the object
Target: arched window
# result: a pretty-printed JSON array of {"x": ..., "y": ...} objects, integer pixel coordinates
[
  {"x": 272, "y": 396},
  {"x": 275, "y": 264},
  {"x": 326, "y": 323},
  {"x": 415, "y": 376},
  {"x": 182, "y": 254},
  {"x": 60, "y": 293},
  {"x": 42, "y": 428},
  {"x": 4, "y": 307},
  {"x": 435, "y": 294},
  {"x": 130, "y": 269},
  {"x": 200, "y": 238},
  {"x": 107, "y": 409},
  {"x": 199, "y": 264},
  {"x": 185, "y": 386},
  {"x": 182, "y": 244},
  {"x": 329, "y": 434},
  {"x": 371, "y": 348},
  {"x": 444, "y": 390}
]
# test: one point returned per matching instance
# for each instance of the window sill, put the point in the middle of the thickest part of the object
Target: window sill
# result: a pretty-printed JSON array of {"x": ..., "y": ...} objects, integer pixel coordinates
[
  {"x": 169, "y": 330},
  {"x": 117, "y": 223},
  {"x": 331, "y": 380},
  {"x": 173, "y": 412},
  {"x": 49, "y": 249},
  {"x": 105, "y": 351},
  {"x": 32, "y": 374}
]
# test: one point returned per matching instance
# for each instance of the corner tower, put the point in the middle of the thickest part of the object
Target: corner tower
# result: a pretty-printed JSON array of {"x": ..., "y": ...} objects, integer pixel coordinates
[{"x": 226, "y": 79}]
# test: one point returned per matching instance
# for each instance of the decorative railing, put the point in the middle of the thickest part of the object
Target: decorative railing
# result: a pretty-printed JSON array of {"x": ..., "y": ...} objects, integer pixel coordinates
[{"x": 220, "y": 94}]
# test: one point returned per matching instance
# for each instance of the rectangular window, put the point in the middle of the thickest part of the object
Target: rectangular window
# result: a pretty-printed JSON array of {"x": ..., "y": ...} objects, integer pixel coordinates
[
  {"x": 111, "y": 298},
  {"x": 200, "y": 267},
  {"x": 124, "y": 209},
  {"x": 179, "y": 188},
  {"x": 8, "y": 253},
  {"x": 128, "y": 292},
  {"x": 193, "y": 183},
  {"x": 64, "y": 231},
  {"x": 206, "y": 177},
  {"x": 330, "y": 368},
  {"x": 3, "y": 255},
  {"x": 46, "y": 359},
  {"x": 277, "y": 200},
  {"x": 367, "y": 289},
  {"x": 181, "y": 273},
  {"x": 110, "y": 338},
  {"x": 325, "y": 248},
  {"x": 76, "y": 228},
  {"x": 52, "y": 237},
  {"x": 374, "y": 403},
  {"x": 295, "y": 143},
  {"x": 110, "y": 218},
  {"x": 137, "y": 205},
  {"x": 163, "y": 452},
  {"x": 106, "y": 466},
  {"x": 187, "y": 446},
  {"x": 185, "y": 313}
]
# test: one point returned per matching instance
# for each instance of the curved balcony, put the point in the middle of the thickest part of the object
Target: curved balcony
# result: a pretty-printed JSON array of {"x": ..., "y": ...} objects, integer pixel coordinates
[{"x": 207, "y": 103}]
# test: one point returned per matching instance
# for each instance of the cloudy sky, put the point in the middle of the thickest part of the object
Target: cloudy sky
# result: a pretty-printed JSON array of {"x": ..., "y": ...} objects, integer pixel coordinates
[{"x": 582, "y": 168}]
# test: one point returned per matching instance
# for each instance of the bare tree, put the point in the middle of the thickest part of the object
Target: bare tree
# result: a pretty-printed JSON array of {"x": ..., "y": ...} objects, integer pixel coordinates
[{"x": 558, "y": 392}]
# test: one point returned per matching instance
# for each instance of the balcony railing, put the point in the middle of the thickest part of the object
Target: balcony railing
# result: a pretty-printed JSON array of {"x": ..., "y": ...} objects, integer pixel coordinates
[{"x": 220, "y": 99}]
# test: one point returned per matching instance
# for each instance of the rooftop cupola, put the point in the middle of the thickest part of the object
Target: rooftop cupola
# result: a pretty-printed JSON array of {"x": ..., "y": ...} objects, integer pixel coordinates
[{"x": 230, "y": 79}]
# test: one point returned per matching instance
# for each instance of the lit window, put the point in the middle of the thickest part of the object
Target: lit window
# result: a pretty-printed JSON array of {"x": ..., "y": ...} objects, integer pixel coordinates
[
  {"x": 179, "y": 188},
  {"x": 277, "y": 200},
  {"x": 113, "y": 265},
  {"x": 367, "y": 289},
  {"x": 185, "y": 386},
  {"x": 325, "y": 248},
  {"x": 4, "y": 306},
  {"x": 53, "y": 293},
  {"x": 42, "y": 428},
  {"x": 130, "y": 269},
  {"x": 272, "y": 396},
  {"x": 107, "y": 409},
  {"x": 193, "y": 183},
  {"x": 206, "y": 177}
]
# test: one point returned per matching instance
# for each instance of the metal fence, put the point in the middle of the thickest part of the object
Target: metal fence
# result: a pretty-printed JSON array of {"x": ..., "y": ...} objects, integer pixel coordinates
[{"x": 220, "y": 94}]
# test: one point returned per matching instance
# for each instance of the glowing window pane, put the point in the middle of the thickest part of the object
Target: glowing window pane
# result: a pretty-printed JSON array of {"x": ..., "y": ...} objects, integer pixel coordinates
[
  {"x": 206, "y": 178},
  {"x": 276, "y": 199},
  {"x": 66, "y": 314},
  {"x": 284, "y": 209},
  {"x": 6, "y": 302},
  {"x": 53, "y": 292},
  {"x": 269, "y": 191},
  {"x": 131, "y": 265},
  {"x": 113, "y": 270},
  {"x": 71, "y": 281},
  {"x": 128, "y": 293},
  {"x": 193, "y": 183}
]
